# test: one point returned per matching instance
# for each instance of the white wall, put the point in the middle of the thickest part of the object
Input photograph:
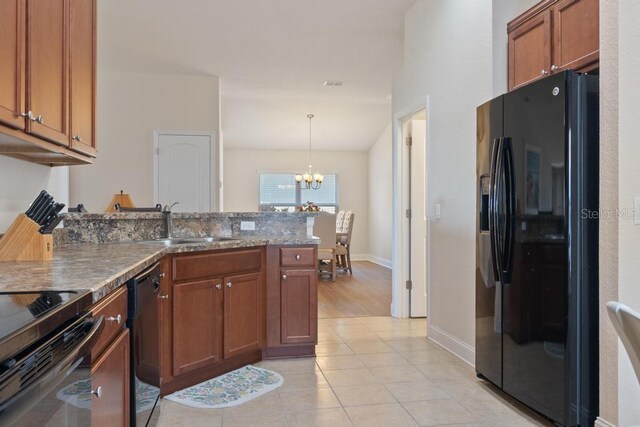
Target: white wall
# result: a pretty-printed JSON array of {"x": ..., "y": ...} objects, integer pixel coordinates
[
  {"x": 20, "y": 183},
  {"x": 130, "y": 108},
  {"x": 503, "y": 12},
  {"x": 241, "y": 169},
  {"x": 629, "y": 188},
  {"x": 448, "y": 45},
  {"x": 380, "y": 197}
]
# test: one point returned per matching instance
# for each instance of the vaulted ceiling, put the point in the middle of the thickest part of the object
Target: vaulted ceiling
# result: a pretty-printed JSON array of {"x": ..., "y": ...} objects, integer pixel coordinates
[{"x": 272, "y": 57}]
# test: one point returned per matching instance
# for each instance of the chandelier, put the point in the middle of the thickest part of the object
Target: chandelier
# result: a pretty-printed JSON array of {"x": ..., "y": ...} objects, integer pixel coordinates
[{"x": 312, "y": 181}]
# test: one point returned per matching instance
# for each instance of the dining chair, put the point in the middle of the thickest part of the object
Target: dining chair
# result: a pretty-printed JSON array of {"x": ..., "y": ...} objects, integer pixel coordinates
[
  {"x": 343, "y": 243},
  {"x": 324, "y": 227},
  {"x": 627, "y": 324}
]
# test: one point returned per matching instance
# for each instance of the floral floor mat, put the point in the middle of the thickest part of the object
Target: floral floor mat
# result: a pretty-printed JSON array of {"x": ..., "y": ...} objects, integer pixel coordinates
[{"x": 231, "y": 389}]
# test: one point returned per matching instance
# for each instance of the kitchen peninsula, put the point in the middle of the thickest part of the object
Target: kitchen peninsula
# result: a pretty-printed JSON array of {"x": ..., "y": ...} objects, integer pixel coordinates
[{"x": 225, "y": 297}]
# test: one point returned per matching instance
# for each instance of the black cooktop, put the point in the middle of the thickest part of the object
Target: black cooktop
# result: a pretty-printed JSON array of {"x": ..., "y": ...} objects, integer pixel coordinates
[{"x": 26, "y": 317}]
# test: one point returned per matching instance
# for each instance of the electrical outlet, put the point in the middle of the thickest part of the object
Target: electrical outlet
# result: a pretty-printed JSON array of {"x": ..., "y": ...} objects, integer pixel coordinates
[{"x": 247, "y": 226}]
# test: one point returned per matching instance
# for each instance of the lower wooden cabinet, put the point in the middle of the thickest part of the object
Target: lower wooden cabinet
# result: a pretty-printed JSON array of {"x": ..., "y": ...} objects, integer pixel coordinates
[
  {"x": 196, "y": 325},
  {"x": 292, "y": 301},
  {"x": 299, "y": 305},
  {"x": 110, "y": 385},
  {"x": 214, "y": 323},
  {"x": 243, "y": 314}
]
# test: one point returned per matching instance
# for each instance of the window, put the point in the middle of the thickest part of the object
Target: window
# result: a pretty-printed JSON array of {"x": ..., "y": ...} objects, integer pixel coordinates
[{"x": 280, "y": 192}]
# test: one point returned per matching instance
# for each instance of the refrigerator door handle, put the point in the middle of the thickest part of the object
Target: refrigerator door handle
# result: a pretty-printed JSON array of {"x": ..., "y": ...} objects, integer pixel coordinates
[
  {"x": 493, "y": 207},
  {"x": 509, "y": 239}
]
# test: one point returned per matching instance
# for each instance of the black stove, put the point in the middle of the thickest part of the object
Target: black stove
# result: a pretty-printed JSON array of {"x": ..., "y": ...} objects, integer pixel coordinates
[
  {"x": 27, "y": 317},
  {"x": 44, "y": 338}
]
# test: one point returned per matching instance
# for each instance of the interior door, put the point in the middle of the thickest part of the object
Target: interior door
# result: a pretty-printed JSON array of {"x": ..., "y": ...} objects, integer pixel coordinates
[
  {"x": 186, "y": 171},
  {"x": 419, "y": 223}
]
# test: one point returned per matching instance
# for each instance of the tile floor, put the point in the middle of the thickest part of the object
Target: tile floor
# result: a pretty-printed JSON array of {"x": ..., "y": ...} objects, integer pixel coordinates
[{"x": 369, "y": 371}]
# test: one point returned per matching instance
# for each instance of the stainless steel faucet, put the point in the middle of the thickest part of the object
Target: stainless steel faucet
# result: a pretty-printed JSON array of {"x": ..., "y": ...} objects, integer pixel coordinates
[{"x": 168, "y": 220}]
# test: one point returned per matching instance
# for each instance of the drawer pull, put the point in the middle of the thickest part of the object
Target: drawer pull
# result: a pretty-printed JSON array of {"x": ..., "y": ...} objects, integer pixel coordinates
[
  {"x": 97, "y": 392},
  {"x": 284, "y": 277},
  {"x": 218, "y": 286},
  {"x": 163, "y": 296},
  {"x": 298, "y": 257},
  {"x": 116, "y": 319},
  {"x": 229, "y": 284}
]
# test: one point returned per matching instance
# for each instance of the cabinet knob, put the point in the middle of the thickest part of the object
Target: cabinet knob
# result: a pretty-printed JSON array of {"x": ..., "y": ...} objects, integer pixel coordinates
[
  {"x": 28, "y": 115},
  {"x": 97, "y": 392},
  {"x": 163, "y": 296},
  {"x": 38, "y": 119},
  {"x": 284, "y": 277},
  {"x": 554, "y": 67},
  {"x": 544, "y": 72},
  {"x": 116, "y": 319},
  {"x": 298, "y": 257},
  {"x": 161, "y": 275},
  {"x": 229, "y": 284},
  {"x": 77, "y": 138},
  {"x": 218, "y": 286}
]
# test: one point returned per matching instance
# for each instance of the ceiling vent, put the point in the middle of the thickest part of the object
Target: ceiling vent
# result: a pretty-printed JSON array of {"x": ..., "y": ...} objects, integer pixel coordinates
[{"x": 333, "y": 83}]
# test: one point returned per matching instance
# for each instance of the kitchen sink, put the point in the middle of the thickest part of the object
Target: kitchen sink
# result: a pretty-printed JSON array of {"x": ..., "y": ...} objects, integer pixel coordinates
[{"x": 190, "y": 240}]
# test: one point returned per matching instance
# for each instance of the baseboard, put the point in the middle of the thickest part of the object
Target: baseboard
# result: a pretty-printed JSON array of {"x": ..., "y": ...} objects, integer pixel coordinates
[
  {"x": 371, "y": 258},
  {"x": 603, "y": 423},
  {"x": 452, "y": 344}
]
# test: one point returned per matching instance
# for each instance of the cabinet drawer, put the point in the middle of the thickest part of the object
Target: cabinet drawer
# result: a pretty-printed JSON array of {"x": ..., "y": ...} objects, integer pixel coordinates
[
  {"x": 209, "y": 265},
  {"x": 297, "y": 257},
  {"x": 114, "y": 305}
]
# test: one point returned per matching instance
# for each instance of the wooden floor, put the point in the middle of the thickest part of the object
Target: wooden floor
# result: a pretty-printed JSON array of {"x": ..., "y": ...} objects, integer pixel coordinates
[{"x": 366, "y": 293}]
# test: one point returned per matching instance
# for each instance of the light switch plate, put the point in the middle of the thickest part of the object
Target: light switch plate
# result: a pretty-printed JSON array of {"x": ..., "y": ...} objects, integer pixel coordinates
[
  {"x": 247, "y": 226},
  {"x": 437, "y": 210},
  {"x": 636, "y": 211}
]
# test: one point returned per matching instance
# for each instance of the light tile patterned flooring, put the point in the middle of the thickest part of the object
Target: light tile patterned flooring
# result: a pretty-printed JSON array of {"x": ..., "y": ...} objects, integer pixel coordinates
[{"x": 369, "y": 371}]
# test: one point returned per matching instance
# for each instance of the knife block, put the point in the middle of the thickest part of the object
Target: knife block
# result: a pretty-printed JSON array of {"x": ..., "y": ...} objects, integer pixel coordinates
[{"x": 23, "y": 242}]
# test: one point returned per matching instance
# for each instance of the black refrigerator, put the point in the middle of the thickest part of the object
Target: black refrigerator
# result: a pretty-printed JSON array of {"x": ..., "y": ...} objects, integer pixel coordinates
[{"x": 537, "y": 246}]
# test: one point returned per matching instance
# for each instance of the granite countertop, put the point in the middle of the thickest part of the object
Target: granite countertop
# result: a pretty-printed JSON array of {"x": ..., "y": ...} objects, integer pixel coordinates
[{"x": 103, "y": 267}]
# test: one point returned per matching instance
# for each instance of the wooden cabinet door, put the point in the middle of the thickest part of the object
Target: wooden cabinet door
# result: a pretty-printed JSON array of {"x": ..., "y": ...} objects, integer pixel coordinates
[
  {"x": 110, "y": 381},
  {"x": 530, "y": 50},
  {"x": 47, "y": 69},
  {"x": 576, "y": 34},
  {"x": 82, "y": 75},
  {"x": 12, "y": 38},
  {"x": 196, "y": 332},
  {"x": 299, "y": 307},
  {"x": 243, "y": 324}
]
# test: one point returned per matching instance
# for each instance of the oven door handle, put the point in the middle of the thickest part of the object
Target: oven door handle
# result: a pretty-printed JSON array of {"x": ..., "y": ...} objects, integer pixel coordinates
[{"x": 15, "y": 408}]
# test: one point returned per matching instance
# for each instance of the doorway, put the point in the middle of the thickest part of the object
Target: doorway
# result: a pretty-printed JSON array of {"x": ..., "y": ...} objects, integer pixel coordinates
[
  {"x": 186, "y": 171},
  {"x": 414, "y": 130}
]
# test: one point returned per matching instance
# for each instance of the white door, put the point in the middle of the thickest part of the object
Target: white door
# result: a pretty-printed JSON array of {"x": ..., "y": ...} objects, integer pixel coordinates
[
  {"x": 419, "y": 245},
  {"x": 186, "y": 171}
]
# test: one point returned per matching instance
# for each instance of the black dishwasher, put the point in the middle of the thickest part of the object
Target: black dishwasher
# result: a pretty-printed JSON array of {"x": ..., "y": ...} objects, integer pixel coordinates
[{"x": 145, "y": 368}]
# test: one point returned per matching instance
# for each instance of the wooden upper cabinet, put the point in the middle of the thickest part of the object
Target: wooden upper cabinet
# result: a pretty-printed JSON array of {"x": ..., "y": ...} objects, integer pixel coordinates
[
  {"x": 576, "y": 34},
  {"x": 553, "y": 36},
  {"x": 12, "y": 38},
  {"x": 530, "y": 50},
  {"x": 47, "y": 69},
  {"x": 243, "y": 308},
  {"x": 196, "y": 332},
  {"x": 82, "y": 74}
]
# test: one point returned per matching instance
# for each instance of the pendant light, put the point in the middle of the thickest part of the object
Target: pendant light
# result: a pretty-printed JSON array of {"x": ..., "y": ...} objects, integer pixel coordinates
[{"x": 311, "y": 181}]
